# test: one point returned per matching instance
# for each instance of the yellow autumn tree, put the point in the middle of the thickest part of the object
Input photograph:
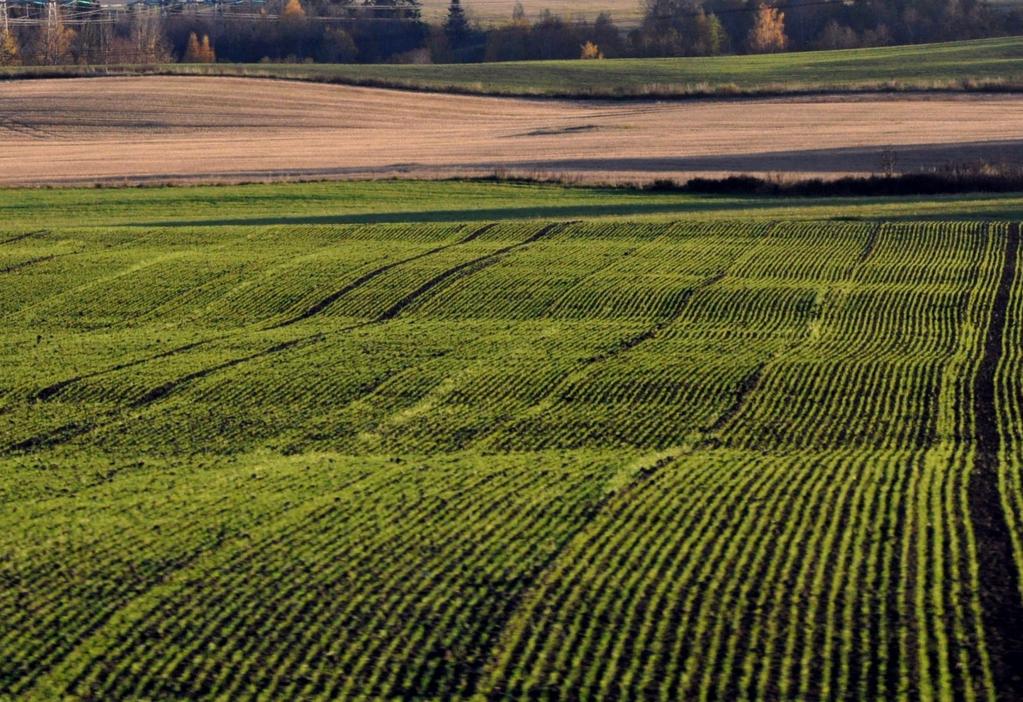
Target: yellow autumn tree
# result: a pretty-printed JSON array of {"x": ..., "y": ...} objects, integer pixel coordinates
[
  {"x": 206, "y": 52},
  {"x": 193, "y": 52},
  {"x": 199, "y": 51},
  {"x": 768, "y": 33},
  {"x": 591, "y": 52},
  {"x": 293, "y": 10},
  {"x": 10, "y": 52}
]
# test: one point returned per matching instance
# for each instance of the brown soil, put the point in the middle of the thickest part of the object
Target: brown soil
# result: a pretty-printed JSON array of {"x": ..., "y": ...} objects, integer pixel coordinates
[{"x": 156, "y": 129}]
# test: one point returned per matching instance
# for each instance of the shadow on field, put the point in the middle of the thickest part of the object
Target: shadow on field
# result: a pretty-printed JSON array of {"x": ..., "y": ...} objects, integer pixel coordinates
[
  {"x": 553, "y": 212},
  {"x": 738, "y": 207},
  {"x": 839, "y": 161}
]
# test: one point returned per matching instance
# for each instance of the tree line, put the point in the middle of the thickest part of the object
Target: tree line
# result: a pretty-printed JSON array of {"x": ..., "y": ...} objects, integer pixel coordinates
[{"x": 375, "y": 31}]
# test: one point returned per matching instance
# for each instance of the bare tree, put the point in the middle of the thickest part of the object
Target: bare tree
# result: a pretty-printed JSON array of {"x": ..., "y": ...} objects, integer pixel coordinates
[
  {"x": 148, "y": 37},
  {"x": 54, "y": 48},
  {"x": 10, "y": 52},
  {"x": 889, "y": 162}
]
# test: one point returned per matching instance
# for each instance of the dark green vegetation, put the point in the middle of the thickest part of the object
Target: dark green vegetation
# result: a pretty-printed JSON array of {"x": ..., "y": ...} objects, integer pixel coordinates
[
  {"x": 305, "y": 457},
  {"x": 990, "y": 64},
  {"x": 457, "y": 201}
]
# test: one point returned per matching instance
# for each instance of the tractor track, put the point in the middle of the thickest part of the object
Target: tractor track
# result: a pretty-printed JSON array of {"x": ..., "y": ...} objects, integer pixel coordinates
[
  {"x": 330, "y": 299},
  {"x": 1000, "y": 599}
]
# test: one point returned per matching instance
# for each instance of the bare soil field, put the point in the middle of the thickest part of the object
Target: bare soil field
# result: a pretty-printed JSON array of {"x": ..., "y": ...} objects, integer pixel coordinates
[{"x": 187, "y": 129}]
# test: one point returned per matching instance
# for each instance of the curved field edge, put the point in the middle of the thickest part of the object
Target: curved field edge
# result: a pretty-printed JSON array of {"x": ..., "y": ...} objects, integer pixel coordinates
[{"x": 987, "y": 65}]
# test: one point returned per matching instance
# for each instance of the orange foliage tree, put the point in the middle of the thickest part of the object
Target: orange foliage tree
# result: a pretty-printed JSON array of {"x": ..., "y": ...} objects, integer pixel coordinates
[{"x": 768, "y": 33}]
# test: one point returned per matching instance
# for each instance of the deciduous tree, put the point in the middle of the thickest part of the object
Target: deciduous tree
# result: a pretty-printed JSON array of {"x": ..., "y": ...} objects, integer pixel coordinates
[
  {"x": 206, "y": 52},
  {"x": 10, "y": 51},
  {"x": 337, "y": 46},
  {"x": 148, "y": 37},
  {"x": 193, "y": 51},
  {"x": 837, "y": 36},
  {"x": 768, "y": 33},
  {"x": 591, "y": 52},
  {"x": 54, "y": 48},
  {"x": 293, "y": 10}
]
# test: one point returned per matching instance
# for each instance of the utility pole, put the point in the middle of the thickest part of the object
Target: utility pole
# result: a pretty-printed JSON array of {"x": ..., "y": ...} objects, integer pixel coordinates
[{"x": 52, "y": 17}]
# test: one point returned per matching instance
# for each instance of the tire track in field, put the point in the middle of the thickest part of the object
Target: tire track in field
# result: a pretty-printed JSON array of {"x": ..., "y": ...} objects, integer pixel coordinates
[
  {"x": 162, "y": 391},
  {"x": 463, "y": 270},
  {"x": 52, "y": 390},
  {"x": 466, "y": 268},
  {"x": 15, "y": 267},
  {"x": 1000, "y": 599},
  {"x": 330, "y": 299},
  {"x": 625, "y": 345},
  {"x": 151, "y": 582},
  {"x": 746, "y": 387},
  {"x": 22, "y": 128},
  {"x": 653, "y": 332},
  {"x": 22, "y": 237},
  {"x": 67, "y": 432},
  {"x": 523, "y": 607},
  {"x": 871, "y": 244},
  {"x": 713, "y": 438}
]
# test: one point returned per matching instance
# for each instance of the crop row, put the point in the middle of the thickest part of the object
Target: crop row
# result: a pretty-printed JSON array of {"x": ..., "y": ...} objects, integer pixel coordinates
[{"x": 829, "y": 349}]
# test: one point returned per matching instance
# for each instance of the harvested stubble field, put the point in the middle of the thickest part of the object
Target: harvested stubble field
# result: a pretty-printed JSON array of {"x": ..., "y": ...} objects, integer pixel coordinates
[
  {"x": 155, "y": 129},
  {"x": 518, "y": 460}
]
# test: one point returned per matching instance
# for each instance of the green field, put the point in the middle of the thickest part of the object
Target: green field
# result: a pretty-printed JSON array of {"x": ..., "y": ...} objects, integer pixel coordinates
[
  {"x": 439, "y": 441},
  {"x": 397, "y": 201},
  {"x": 989, "y": 64}
]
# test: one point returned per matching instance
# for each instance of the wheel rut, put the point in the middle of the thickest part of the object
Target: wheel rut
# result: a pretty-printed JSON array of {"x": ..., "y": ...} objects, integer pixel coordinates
[
  {"x": 1000, "y": 599},
  {"x": 22, "y": 237},
  {"x": 330, "y": 299},
  {"x": 67, "y": 432},
  {"x": 462, "y": 270}
]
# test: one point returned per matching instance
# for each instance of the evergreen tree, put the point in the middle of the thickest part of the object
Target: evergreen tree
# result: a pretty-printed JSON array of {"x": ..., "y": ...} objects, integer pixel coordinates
[{"x": 456, "y": 27}]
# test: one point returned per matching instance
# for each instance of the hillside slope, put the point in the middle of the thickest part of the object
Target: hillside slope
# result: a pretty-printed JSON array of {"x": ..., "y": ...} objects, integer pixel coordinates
[
  {"x": 511, "y": 461},
  {"x": 231, "y": 129},
  {"x": 987, "y": 65}
]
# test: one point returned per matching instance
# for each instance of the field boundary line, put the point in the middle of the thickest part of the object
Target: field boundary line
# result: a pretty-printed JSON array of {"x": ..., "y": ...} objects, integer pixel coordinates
[
  {"x": 1000, "y": 598},
  {"x": 679, "y": 92}
]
